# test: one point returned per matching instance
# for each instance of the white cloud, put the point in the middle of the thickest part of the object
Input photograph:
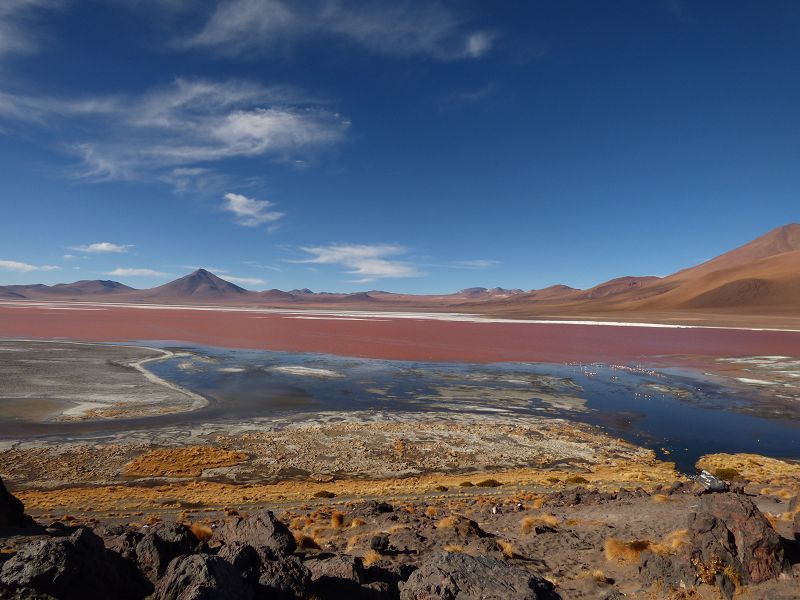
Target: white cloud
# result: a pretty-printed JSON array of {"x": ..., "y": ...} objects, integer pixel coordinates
[
  {"x": 367, "y": 261},
  {"x": 480, "y": 43},
  {"x": 472, "y": 264},
  {"x": 249, "y": 211},
  {"x": 101, "y": 248},
  {"x": 172, "y": 133},
  {"x": 21, "y": 267},
  {"x": 16, "y": 20},
  {"x": 127, "y": 272},
  {"x": 243, "y": 280},
  {"x": 399, "y": 28},
  {"x": 68, "y": 257}
]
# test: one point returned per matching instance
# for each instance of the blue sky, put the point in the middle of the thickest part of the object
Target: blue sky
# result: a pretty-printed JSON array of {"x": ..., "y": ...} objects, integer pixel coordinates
[{"x": 409, "y": 146}]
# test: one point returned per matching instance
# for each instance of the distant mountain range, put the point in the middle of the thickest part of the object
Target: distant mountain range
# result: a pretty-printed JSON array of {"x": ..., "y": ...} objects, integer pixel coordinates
[{"x": 763, "y": 275}]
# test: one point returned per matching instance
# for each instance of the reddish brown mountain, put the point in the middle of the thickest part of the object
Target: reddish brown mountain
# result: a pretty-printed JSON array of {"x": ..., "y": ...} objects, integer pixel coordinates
[{"x": 200, "y": 285}]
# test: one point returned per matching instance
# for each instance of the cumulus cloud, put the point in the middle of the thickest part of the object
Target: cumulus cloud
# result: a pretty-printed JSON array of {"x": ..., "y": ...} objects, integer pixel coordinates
[
  {"x": 129, "y": 272},
  {"x": 400, "y": 28},
  {"x": 249, "y": 211},
  {"x": 172, "y": 133},
  {"x": 21, "y": 267},
  {"x": 101, "y": 248},
  {"x": 367, "y": 261}
]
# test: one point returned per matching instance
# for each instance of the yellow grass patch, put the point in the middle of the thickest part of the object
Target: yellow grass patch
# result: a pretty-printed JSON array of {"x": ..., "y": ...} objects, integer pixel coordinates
[
  {"x": 625, "y": 551},
  {"x": 754, "y": 468},
  {"x": 673, "y": 543},
  {"x": 507, "y": 548},
  {"x": 182, "y": 462},
  {"x": 337, "y": 519},
  {"x": 203, "y": 533},
  {"x": 531, "y": 521}
]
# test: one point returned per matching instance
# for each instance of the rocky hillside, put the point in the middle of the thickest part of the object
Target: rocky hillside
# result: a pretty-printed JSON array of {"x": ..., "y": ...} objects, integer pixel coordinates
[{"x": 677, "y": 541}]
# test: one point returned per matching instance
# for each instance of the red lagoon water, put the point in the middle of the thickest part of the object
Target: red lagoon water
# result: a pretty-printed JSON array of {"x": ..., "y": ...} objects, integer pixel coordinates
[{"x": 392, "y": 338}]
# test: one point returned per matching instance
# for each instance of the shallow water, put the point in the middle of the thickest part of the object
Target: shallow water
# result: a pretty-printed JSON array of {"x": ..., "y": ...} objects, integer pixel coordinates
[{"x": 680, "y": 414}]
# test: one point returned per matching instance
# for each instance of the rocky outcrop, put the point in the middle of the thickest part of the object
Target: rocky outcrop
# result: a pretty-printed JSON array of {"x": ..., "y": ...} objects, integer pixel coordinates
[
  {"x": 12, "y": 512},
  {"x": 284, "y": 578},
  {"x": 261, "y": 530},
  {"x": 75, "y": 567},
  {"x": 730, "y": 527},
  {"x": 452, "y": 576},
  {"x": 202, "y": 577},
  {"x": 161, "y": 544},
  {"x": 731, "y": 543}
]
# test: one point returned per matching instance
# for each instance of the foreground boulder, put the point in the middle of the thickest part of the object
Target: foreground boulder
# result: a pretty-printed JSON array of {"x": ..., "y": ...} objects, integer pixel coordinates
[
  {"x": 731, "y": 543},
  {"x": 731, "y": 528},
  {"x": 451, "y": 576},
  {"x": 159, "y": 545},
  {"x": 75, "y": 567},
  {"x": 202, "y": 577},
  {"x": 261, "y": 530},
  {"x": 12, "y": 512}
]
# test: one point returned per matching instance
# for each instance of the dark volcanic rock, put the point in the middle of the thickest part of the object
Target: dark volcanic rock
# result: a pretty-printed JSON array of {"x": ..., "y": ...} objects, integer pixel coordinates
[
  {"x": 730, "y": 527},
  {"x": 160, "y": 544},
  {"x": 12, "y": 512},
  {"x": 202, "y": 577},
  {"x": 671, "y": 571},
  {"x": 286, "y": 577},
  {"x": 260, "y": 530},
  {"x": 341, "y": 567},
  {"x": 371, "y": 508},
  {"x": 452, "y": 576},
  {"x": 74, "y": 567},
  {"x": 245, "y": 559}
]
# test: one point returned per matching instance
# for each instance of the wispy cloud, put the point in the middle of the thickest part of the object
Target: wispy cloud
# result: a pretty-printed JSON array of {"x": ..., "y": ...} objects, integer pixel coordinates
[
  {"x": 133, "y": 272},
  {"x": 172, "y": 133},
  {"x": 400, "y": 28},
  {"x": 243, "y": 280},
  {"x": 21, "y": 267},
  {"x": 249, "y": 211},
  {"x": 17, "y": 19},
  {"x": 366, "y": 261},
  {"x": 472, "y": 264},
  {"x": 101, "y": 248}
]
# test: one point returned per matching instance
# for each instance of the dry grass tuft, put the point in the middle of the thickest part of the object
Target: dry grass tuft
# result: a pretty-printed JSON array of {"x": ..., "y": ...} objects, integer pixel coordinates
[
  {"x": 660, "y": 498},
  {"x": 357, "y": 522},
  {"x": 507, "y": 548},
  {"x": 625, "y": 551},
  {"x": 431, "y": 511},
  {"x": 673, "y": 543},
  {"x": 454, "y": 548},
  {"x": 324, "y": 494},
  {"x": 597, "y": 575},
  {"x": 371, "y": 557},
  {"x": 305, "y": 542},
  {"x": 337, "y": 519},
  {"x": 448, "y": 522},
  {"x": 531, "y": 521},
  {"x": 203, "y": 533}
]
